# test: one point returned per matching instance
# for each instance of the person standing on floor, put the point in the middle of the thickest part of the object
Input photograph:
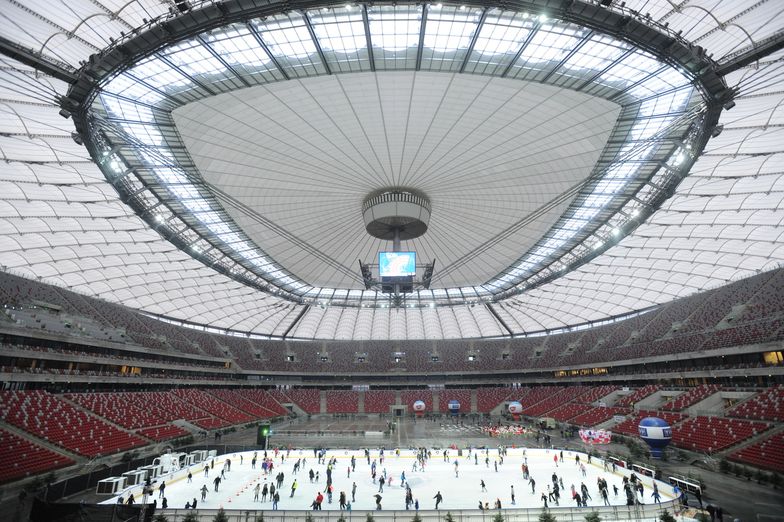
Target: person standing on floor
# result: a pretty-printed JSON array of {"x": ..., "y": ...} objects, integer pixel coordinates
[
  {"x": 204, "y": 492},
  {"x": 256, "y": 493}
]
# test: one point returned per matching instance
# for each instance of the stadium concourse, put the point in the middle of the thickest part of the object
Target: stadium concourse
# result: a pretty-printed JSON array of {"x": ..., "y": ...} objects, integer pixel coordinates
[{"x": 517, "y": 219}]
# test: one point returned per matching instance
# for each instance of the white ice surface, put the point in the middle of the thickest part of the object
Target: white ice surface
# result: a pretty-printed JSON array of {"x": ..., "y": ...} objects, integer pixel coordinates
[{"x": 461, "y": 492}]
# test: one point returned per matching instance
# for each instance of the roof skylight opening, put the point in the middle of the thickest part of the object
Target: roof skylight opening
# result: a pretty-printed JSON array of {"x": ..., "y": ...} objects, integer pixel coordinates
[
  {"x": 339, "y": 31},
  {"x": 449, "y": 30},
  {"x": 502, "y": 34},
  {"x": 238, "y": 46},
  {"x": 394, "y": 28},
  {"x": 287, "y": 37}
]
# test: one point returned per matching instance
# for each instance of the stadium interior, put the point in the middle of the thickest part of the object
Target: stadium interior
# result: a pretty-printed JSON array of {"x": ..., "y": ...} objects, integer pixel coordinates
[{"x": 224, "y": 214}]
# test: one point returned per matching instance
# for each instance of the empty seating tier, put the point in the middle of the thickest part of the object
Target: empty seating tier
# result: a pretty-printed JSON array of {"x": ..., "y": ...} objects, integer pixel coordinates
[
  {"x": 712, "y": 434},
  {"x": 379, "y": 401},
  {"x": 60, "y": 423},
  {"x": 767, "y": 453},
  {"x": 158, "y": 433},
  {"x": 20, "y": 458},
  {"x": 342, "y": 401},
  {"x": 766, "y": 405},
  {"x": 690, "y": 397}
]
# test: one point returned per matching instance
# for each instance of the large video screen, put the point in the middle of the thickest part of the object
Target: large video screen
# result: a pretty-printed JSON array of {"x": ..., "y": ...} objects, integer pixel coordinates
[{"x": 396, "y": 264}]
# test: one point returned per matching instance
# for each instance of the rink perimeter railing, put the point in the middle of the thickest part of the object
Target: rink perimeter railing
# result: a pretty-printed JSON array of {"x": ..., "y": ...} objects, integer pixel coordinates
[{"x": 644, "y": 512}]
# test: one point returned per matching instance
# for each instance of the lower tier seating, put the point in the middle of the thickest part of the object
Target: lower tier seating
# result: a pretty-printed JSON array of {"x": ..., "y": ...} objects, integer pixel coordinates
[
  {"x": 20, "y": 458},
  {"x": 712, "y": 434},
  {"x": 767, "y": 453}
]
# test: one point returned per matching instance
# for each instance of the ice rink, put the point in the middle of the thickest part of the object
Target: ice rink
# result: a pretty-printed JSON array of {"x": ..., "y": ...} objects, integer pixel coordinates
[{"x": 460, "y": 490}]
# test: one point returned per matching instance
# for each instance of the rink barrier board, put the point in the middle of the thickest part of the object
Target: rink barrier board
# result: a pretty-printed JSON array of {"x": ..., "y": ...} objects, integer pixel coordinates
[{"x": 645, "y": 512}]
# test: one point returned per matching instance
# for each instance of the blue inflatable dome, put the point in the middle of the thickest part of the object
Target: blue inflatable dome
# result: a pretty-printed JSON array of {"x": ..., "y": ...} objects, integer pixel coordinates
[{"x": 657, "y": 433}]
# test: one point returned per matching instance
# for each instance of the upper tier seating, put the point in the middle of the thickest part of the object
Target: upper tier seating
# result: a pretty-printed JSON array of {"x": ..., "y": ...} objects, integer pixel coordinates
[
  {"x": 766, "y": 405},
  {"x": 712, "y": 434},
  {"x": 20, "y": 458},
  {"x": 767, "y": 453},
  {"x": 682, "y": 326},
  {"x": 693, "y": 396},
  {"x": 50, "y": 418}
]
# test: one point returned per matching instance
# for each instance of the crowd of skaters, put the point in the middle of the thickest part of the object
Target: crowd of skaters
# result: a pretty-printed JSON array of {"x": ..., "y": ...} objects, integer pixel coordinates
[{"x": 270, "y": 481}]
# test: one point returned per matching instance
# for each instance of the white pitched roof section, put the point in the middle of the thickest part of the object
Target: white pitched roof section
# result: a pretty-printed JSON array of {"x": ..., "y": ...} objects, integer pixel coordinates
[{"x": 61, "y": 222}]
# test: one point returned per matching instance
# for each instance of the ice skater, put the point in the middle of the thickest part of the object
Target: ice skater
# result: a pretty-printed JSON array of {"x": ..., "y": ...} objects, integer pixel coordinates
[{"x": 438, "y": 498}]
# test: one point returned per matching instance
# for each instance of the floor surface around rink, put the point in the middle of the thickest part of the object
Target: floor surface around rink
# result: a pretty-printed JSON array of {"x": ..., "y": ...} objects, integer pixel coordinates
[{"x": 461, "y": 492}]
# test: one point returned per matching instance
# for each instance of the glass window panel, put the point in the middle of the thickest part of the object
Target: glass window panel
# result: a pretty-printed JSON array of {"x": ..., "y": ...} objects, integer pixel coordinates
[
  {"x": 129, "y": 87},
  {"x": 551, "y": 43},
  {"x": 160, "y": 75},
  {"x": 448, "y": 34},
  {"x": 126, "y": 110},
  {"x": 631, "y": 69},
  {"x": 596, "y": 54},
  {"x": 500, "y": 38},
  {"x": 341, "y": 34},
  {"x": 288, "y": 39},
  {"x": 237, "y": 45},
  {"x": 394, "y": 31},
  {"x": 194, "y": 59}
]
